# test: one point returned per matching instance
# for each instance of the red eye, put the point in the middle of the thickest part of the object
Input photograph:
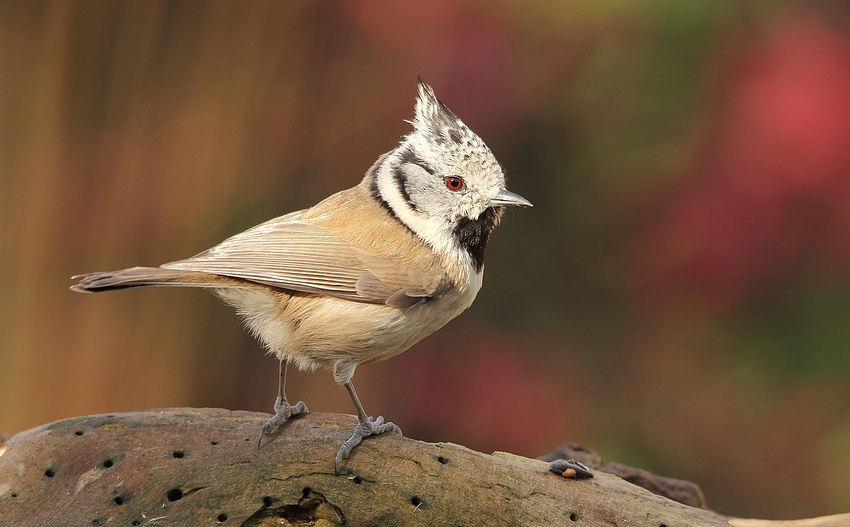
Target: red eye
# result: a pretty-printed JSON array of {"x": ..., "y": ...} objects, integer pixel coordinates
[{"x": 454, "y": 183}]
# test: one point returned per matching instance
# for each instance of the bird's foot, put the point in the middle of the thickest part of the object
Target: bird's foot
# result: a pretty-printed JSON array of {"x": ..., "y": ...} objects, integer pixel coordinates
[
  {"x": 282, "y": 412},
  {"x": 370, "y": 427}
]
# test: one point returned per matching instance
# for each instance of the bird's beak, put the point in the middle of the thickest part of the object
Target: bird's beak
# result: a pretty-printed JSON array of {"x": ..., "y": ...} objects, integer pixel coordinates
[{"x": 509, "y": 199}]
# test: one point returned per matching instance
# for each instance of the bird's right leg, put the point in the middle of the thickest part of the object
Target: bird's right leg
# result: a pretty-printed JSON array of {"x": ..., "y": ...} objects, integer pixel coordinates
[
  {"x": 282, "y": 409},
  {"x": 368, "y": 426}
]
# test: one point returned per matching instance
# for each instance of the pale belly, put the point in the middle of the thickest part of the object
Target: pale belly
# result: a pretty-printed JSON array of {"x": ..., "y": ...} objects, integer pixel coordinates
[{"x": 313, "y": 331}]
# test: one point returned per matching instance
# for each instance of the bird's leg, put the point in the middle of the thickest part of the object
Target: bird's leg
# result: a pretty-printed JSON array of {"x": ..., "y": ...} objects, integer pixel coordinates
[
  {"x": 368, "y": 426},
  {"x": 282, "y": 409}
]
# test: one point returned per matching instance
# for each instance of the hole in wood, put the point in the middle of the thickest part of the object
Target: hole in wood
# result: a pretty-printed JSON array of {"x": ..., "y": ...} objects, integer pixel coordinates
[
  {"x": 573, "y": 517},
  {"x": 119, "y": 500},
  {"x": 174, "y": 494},
  {"x": 442, "y": 460},
  {"x": 108, "y": 463},
  {"x": 50, "y": 473},
  {"x": 416, "y": 501},
  {"x": 311, "y": 506},
  {"x": 222, "y": 518},
  {"x": 178, "y": 454},
  {"x": 79, "y": 433},
  {"x": 267, "y": 501}
]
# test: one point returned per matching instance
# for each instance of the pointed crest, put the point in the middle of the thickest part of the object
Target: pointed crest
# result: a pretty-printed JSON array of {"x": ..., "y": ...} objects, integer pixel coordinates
[
  {"x": 431, "y": 114},
  {"x": 438, "y": 124}
]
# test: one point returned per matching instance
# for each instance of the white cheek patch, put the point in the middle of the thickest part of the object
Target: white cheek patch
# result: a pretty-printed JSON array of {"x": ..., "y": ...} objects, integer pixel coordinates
[{"x": 433, "y": 230}]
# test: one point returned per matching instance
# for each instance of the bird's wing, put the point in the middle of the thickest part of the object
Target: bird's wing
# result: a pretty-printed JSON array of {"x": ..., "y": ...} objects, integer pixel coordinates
[{"x": 301, "y": 255}]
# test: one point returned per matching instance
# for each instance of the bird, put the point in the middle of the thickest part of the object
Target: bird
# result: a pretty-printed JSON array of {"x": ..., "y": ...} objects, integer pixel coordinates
[{"x": 364, "y": 274}]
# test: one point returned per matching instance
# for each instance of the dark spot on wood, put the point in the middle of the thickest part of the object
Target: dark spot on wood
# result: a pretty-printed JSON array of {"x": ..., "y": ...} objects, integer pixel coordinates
[{"x": 174, "y": 494}]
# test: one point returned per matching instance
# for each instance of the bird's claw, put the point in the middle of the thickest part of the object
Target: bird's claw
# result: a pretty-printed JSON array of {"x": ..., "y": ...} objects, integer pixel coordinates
[
  {"x": 282, "y": 412},
  {"x": 372, "y": 426}
]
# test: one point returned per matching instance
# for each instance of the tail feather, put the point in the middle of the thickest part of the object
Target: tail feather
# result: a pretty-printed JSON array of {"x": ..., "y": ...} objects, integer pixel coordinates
[{"x": 146, "y": 276}]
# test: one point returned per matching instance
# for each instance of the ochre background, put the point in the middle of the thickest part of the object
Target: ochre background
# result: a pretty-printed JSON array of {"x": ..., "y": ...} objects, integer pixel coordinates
[{"x": 678, "y": 298}]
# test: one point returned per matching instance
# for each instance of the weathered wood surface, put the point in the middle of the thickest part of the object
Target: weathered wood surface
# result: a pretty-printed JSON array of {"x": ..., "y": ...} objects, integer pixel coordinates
[{"x": 202, "y": 467}]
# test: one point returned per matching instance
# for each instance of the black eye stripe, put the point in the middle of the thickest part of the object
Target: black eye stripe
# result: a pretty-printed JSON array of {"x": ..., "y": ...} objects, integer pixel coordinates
[
  {"x": 408, "y": 156},
  {"x": 376, "y": 194},
  {"x": 400, "y": 180}
]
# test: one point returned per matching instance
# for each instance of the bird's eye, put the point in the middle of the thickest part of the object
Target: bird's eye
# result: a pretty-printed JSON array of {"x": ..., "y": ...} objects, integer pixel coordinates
[{"x": 454, "y": 183}]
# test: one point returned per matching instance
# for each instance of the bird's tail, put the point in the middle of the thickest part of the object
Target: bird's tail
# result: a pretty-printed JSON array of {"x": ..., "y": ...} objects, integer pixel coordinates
[{"x": 147, "y": 276}]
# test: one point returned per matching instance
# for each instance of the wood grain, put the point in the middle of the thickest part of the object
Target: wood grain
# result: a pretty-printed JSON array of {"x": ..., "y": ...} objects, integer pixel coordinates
[{"x": 186, "y": 466}]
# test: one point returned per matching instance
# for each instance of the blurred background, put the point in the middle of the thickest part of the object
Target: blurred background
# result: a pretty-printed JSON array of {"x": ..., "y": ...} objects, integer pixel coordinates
[{"x": 677, "y": 299}]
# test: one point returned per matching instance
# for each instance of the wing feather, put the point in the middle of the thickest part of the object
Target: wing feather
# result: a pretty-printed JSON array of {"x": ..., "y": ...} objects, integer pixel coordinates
[{"x": 300, "y": 254}]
